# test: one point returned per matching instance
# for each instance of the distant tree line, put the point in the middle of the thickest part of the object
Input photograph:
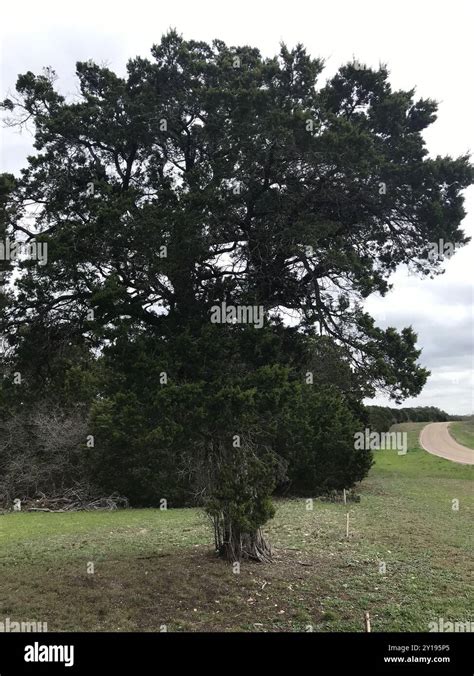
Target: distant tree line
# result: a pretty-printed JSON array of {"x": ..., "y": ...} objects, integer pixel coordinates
[{"x": 381, "y": 418}]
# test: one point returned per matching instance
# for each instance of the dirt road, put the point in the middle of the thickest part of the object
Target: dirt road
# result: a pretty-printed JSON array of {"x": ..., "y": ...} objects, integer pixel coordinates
[{"x": 435, "y": 439}]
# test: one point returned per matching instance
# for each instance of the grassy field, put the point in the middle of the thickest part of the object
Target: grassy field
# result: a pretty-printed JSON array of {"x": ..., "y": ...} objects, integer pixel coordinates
[
  {"x": 463, "y": 432},
  {"x": 155, "y": 568}
]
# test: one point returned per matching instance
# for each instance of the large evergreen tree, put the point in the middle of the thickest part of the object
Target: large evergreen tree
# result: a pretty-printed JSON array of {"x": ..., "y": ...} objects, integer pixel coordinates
[{"x": 211, "y": 174}]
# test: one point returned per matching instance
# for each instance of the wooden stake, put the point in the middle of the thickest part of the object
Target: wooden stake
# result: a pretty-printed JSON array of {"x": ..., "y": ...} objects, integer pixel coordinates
[
  {"x": 367, "y": 622},
  {"x": 345, "y": 497}
]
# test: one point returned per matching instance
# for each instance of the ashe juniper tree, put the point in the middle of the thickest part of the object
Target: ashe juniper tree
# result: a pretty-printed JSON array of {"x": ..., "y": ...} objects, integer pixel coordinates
[{"x": 210, "y": 174}]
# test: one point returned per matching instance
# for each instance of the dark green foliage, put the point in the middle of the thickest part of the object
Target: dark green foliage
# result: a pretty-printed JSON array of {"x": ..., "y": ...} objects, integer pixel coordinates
[
  {"x": 316, "y": 434},
  {"x": 380, "y": 418},
  {"x": 150, "y": 434}
]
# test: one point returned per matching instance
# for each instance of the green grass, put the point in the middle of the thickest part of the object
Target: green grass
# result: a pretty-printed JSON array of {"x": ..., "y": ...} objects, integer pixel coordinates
[
  {"x": 155, "y": 568},
  {"x": 463, "y": 432}
]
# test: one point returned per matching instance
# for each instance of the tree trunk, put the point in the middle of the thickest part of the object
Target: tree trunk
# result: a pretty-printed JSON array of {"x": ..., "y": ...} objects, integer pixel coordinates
[{"x": 233, "y": 545}]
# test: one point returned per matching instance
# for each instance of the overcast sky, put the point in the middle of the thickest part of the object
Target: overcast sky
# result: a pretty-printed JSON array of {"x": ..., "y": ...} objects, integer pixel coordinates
[{"x": 425, "y": 43}]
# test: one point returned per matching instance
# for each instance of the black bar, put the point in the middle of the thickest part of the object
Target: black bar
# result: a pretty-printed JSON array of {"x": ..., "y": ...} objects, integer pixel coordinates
[{"x": 152, "y": 653}]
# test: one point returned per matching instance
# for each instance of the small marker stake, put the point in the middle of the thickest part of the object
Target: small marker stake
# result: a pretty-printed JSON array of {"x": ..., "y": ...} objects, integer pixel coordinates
[
  {"x": 367, "y": 622},
  {"x": 345, "y": 497}
]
